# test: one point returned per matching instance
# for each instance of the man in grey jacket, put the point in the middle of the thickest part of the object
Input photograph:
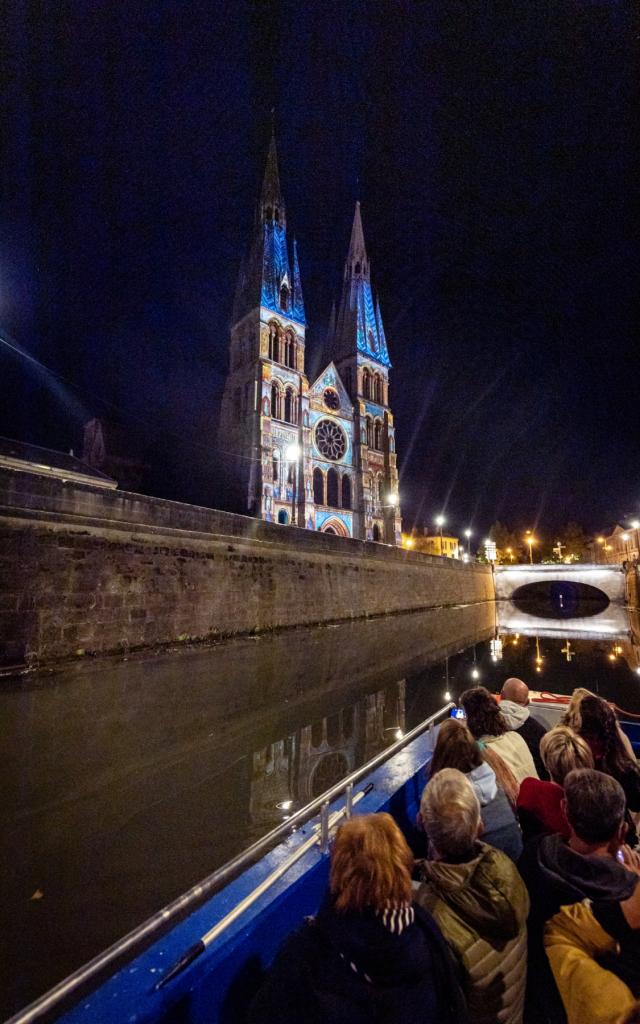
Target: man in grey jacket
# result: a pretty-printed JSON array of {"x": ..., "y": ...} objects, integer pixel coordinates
[{"x": 514, "y": 705}]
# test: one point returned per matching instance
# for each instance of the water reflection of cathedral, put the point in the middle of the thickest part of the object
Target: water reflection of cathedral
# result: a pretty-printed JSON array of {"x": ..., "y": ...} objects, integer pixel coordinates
[{"x": 292, "y": 771}]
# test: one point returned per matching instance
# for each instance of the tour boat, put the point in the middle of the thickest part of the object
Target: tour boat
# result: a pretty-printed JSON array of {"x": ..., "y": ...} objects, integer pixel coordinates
[{"x": 202, "y": 957}]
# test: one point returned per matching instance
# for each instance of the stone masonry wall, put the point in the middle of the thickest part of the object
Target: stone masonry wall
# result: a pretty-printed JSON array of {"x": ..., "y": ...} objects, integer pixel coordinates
[{"x": 84, "y": 570}]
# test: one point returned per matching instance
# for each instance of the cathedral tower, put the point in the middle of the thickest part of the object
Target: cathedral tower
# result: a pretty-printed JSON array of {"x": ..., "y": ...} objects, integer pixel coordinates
[
  {"x": 264, "y": 421},
  {"x": 362, "y": 360}
]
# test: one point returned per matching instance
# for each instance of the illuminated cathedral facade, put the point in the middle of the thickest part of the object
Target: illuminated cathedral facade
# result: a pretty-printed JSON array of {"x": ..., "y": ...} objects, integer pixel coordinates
[{"x": 322, "y": 455}]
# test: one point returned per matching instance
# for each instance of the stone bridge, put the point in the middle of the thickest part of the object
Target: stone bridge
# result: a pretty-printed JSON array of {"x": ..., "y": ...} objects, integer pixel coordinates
[{"x": 585, "y": 599}]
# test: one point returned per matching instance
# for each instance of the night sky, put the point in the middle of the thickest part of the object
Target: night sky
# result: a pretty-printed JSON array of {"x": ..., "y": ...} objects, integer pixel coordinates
[{"x": 493, "y": 148}]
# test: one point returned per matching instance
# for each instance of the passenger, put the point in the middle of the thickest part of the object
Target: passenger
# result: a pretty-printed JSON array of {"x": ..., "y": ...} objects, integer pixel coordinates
[
  {"x": 573, "y": 718},
  {"x": 594, "y": 951},
  {"x": 514, "y": 706},
  {"x": 456, "y": 748},
  {"x": 477, "y": 897},
  {"x": 599, "y": 727},
  {"x": 540, "y": 804},
  {"x": 370, "y": 954},
  {"x": 489, "y": 727},
  {"x": 559, "y": 872}
]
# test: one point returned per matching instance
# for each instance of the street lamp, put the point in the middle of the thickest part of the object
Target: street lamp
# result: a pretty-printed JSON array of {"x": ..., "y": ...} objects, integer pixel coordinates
[
  {"x": 601, "y": 540},
  {"x": 468, "y": 534},
  {"x": 440, "y": 521},
  {"x": 510, "y": 554},
  {"x": 530, "y": 540},
  {"x": 292, "y": 455}
]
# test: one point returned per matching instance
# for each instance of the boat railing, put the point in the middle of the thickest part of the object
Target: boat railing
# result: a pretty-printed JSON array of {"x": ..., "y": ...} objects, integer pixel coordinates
[{"x": 90, "y": 971}]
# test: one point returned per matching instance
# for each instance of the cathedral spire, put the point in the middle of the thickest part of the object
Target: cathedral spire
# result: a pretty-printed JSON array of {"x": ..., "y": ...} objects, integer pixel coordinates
[
  {"x": 271, "y": 200},
  {"x": 359, "y": 325},
  {"x": 297, "y": 305},
  {"x": 357, "y": 264}
]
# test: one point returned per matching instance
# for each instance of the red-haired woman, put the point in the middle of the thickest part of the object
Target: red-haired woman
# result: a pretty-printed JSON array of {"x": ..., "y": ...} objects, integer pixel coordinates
[{"x": 370, "y": 954}]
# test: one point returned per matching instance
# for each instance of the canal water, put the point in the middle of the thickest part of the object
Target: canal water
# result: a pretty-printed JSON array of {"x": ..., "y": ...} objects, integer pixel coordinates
[{"x": 123, "y": 783}]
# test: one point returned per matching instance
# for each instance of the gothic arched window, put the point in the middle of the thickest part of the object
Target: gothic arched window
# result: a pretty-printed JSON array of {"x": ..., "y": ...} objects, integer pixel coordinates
[
  {"x": 377, "y": 436},
  {"x": 376, "y": 532},
  {"x": 275, "y": 402},
  {"x": 289, "y": 350},
  {"x": 366, "y": 383},
  {"x": 318, "y": 487},
  {"x": 378, "y": 389},
  {"x": 274, "y": 348},
  {"x": 346, "y": 491},
  {"x": 283, "y": 517},
  {"x": 289, "y": 406},
  {"x": 284, "y": 298},
  {"x": 381, "y": 489},
  {"x": 332, "y": 488},
  {"x": 370, "y": 437},
  {"x": 275, "y": 465}
]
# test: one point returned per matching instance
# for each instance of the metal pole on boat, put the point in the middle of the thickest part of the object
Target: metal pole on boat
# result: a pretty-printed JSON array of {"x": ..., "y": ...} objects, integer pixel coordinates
[{"x": 199, "y": 947}]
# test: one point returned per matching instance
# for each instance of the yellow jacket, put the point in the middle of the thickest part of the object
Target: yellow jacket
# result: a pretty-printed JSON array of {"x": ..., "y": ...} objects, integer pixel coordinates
[{"x": 590, "y": 993}]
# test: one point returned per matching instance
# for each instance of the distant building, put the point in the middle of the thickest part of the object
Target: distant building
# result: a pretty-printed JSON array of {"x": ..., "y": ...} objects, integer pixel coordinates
[
  {"x": 108, "y": 447},
  {"x": 433, "y": 544},
  {"x": 621, "y": 545},
  {"x": 319, "y": 455},
  {"x": 31, "y": 458}
]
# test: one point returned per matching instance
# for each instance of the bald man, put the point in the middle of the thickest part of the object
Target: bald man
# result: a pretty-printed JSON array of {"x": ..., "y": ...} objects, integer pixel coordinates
[{"x": 514, "y": 705}]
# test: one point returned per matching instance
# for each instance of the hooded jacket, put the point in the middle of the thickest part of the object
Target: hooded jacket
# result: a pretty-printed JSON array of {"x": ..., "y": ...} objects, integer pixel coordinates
[
  {"x": 481, "y": 907},
  {"x": 349, "y": 968},
  {"x": 501, "y": 828},
  {"x": 520, "y": 720},
  {"x": 556, "y": 875}
]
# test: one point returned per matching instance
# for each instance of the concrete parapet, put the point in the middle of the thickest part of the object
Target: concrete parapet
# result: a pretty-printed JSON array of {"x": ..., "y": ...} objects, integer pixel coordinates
[{"x": 83, "y": 570}]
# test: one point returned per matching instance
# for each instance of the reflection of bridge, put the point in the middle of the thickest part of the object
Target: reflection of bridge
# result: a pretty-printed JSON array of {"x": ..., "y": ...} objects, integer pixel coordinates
[{"x": 609, "y": 580}]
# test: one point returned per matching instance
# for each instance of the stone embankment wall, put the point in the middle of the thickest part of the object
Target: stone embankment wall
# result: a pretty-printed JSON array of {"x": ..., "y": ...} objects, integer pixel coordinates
[{"x": 83, "y": 570}]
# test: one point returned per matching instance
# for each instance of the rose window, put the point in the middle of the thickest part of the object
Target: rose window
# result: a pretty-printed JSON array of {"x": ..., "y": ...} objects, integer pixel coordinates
[
  {"x": 331, "y": 399},
  {"x": 331, "y": 440}
]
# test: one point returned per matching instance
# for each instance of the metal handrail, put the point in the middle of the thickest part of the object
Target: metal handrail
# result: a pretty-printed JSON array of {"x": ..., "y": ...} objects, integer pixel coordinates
[{"x": 215, "y": 880}]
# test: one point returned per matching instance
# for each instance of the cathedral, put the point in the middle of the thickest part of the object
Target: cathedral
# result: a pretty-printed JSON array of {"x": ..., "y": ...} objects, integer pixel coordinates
[{"x": 322, "y": 455}]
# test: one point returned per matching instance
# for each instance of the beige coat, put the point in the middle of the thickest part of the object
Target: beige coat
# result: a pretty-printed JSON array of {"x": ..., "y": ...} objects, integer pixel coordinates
[
  {"x": 481, "y": 907},
  {"x": 514, "y": 752}
]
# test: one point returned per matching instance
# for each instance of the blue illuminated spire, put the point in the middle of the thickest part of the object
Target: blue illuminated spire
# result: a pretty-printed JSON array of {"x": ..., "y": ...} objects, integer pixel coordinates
[
  {"x": 266, "y": 279},
  {"x": 359, "y": 324},
  {"x": 297, "y": 305}
]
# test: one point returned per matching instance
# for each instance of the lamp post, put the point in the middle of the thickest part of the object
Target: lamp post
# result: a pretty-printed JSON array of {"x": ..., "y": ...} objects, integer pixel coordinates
[
  {"x": 467, "y": 534},
  {"x": 600, "y": 540},
  {"x": 530, "y": 540},
  {"x": 292, "y": 455},
  {"x": 440, "y": 521}
]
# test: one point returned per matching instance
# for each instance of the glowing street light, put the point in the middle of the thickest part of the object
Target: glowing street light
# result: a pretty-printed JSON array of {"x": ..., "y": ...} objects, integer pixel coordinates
[
  {"x": 440, "y": 521},
  {"x": 468, "y": 534},
  {"x": 392, "y": 498},
  {"x": 530, "y": 540}
]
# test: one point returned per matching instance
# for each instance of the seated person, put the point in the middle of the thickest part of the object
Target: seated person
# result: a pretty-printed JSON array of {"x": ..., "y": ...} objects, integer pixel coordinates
[
  {"x": 573, "y": 718},
  {"x": 370, "y": 954},
  {"x": 594, "y": 951},
  {"x": 559, "y": 872},
  {"x": 514, "y": 705},
  {"x": 456, "y": 748},
  {"x": 540, "y": 804},
  {"x": 477, "y": 897},
  {"x": 600, "y": 729},
  {"x": 487, "y": 725}
]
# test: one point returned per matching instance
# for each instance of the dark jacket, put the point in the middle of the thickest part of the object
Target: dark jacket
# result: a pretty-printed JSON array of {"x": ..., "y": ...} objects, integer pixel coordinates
[{"x": 347, "y": 968}]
